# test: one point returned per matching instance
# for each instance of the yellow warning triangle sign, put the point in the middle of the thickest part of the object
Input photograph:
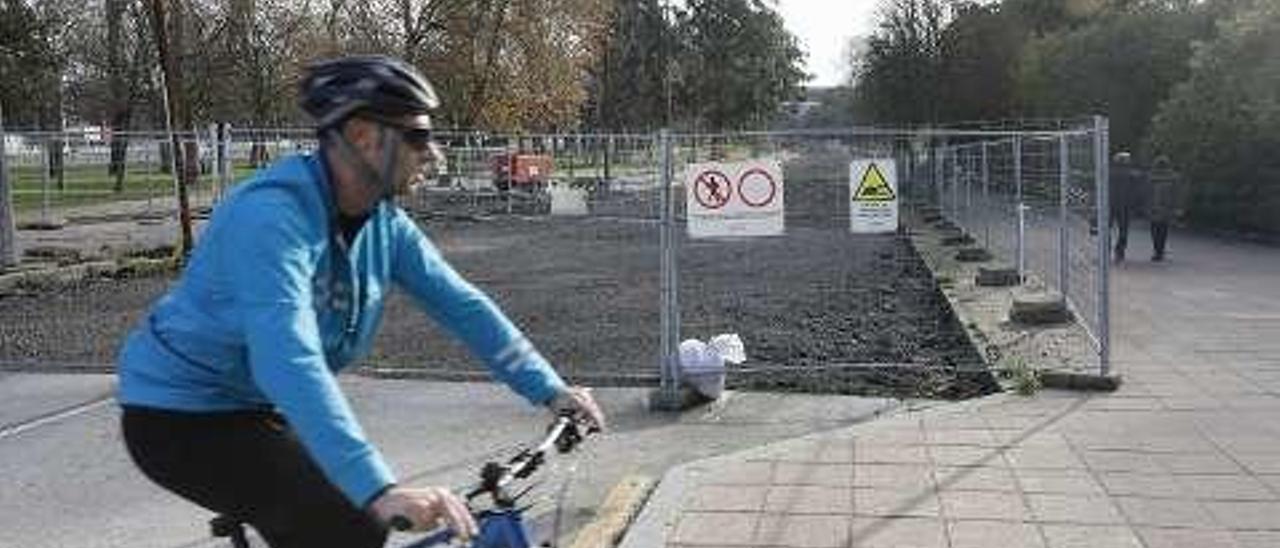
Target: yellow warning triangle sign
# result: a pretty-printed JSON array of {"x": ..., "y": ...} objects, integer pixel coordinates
[{"x": 873, "y": 187}]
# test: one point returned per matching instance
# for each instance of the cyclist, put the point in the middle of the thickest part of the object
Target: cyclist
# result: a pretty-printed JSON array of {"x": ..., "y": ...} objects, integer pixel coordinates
[{"x": 228, "y": 389}]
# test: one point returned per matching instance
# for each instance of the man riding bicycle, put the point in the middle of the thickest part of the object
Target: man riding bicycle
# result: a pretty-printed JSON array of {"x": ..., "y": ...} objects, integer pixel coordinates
[{"x": 228, "y": 385}]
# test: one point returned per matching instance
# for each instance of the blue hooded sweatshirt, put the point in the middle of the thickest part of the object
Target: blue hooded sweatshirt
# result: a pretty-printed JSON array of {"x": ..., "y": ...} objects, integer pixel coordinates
[{"x": 274, "y": 302}]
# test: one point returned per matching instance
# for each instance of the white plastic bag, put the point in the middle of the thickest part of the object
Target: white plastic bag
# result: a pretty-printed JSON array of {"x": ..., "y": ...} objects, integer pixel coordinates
[{"x": 702, "y": 364}]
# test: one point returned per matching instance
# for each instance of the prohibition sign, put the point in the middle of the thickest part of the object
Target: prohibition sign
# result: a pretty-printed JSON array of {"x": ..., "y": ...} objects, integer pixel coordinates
[
  {"x": 755, "y": 198},
  {"x": 712, "y": 189}
]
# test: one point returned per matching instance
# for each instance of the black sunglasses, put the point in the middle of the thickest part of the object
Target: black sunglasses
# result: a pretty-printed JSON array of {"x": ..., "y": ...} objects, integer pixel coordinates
[{"x": 417, "y": 137}]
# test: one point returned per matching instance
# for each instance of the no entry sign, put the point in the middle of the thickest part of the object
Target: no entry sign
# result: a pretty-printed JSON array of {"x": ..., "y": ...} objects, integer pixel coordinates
[{"x": 734, "y": 200}]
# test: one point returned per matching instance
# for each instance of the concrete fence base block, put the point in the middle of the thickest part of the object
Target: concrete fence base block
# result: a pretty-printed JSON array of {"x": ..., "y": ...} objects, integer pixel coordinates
[
  {"x": 957, "y": 239},
  {"x": 973, "y": 255},
  {"x": 1039, "y": 309},
  {"x": 46, "y": 224},
  {"x": 60, "y": 254},
  {"x": 685, "y": 398},
  {"x": 998, "y": 276},
  {"x": 1080, "y": 381}
]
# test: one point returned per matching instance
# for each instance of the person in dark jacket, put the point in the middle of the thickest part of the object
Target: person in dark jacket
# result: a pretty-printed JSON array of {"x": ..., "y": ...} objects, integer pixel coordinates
[
  {"x": 1162, "y": 204},
  {"x": 1125, "y": 185}
]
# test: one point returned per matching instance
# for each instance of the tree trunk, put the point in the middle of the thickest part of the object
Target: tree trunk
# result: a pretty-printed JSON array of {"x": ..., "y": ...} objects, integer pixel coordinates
[
  {"x": 8, "y": 246},
  {"x": 168, "y": 45},
  {"x": 119, "y": 100},
  {"x": 57, "y": 162},
  {"x": 119, "y": 150}
]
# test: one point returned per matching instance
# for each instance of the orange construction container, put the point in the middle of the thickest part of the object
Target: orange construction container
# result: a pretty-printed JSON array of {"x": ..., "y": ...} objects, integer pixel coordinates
[{"x": 512, "y": 170}]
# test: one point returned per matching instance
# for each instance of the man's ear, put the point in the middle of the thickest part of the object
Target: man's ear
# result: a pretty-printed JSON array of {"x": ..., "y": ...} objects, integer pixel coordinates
[{"x": 361, "y": 133}]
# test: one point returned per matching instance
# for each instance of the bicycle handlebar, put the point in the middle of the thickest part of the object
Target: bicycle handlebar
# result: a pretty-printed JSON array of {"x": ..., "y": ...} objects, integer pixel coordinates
[{"x": 563, "y": 435}]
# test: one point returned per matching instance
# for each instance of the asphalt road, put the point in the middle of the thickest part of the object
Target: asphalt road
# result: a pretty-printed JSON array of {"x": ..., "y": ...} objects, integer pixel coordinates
[{"x": 67, "y": 480}]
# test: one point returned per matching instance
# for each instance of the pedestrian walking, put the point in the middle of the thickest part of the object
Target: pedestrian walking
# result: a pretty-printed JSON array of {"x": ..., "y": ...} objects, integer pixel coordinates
[
  {"x": 1124, "y": 188},
  {"x": 1162, "y": 204}
]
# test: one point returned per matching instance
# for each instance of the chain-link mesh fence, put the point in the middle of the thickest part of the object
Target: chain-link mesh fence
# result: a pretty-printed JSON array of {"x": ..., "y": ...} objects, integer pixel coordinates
[
  {"x": 58, "y": 177},
  {"x": 1033, "y": 199},
  {"x": 818, "y": 307},
  {"x": 567, "y": 233}
]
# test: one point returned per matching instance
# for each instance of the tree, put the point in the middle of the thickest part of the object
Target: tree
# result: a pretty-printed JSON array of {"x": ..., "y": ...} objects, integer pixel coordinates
[
  {"x": 899, "y": 78},
  {"x": 515, "y": 65},
  {"x": 1121, "y": 65},
  {"x": 629, "y": 88},
  {"x": 738, "y": 64},
  {"x": 167, "y": 24},
  {"x": 32, "y": 62},
  {"x": 1221, "y": 127},
  {"x": 979, "y": 50},
  {"x": 114, "y": 89}
]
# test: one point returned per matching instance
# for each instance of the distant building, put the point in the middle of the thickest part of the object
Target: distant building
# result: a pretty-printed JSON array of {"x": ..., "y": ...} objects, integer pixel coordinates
[{"x": 799, "y": 109}]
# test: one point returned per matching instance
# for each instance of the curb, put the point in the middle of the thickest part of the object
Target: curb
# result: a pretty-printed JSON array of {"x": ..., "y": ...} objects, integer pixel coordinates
[{"x": 620, "y": 509}]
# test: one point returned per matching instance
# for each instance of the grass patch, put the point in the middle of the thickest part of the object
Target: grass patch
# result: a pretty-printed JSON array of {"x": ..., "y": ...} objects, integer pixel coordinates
[
  {"x": 1024, "y": 379},
  {"x": 91, "y": 184}
]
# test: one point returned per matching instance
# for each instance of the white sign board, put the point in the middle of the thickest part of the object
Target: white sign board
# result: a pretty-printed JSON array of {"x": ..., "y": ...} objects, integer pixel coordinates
[
  {"x": 734, "y": 200},
  {"x": 873, "y": 196}
]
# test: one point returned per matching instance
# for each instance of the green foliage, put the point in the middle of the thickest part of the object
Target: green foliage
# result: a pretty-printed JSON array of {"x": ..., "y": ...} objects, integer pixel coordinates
[
  {"x": 978, "y": 50},
  {"x": 1221, "y": 127},
  {"x": 737, "y": 65},
  {"x": 1121, "y": 65},
  {"x": 899, "y": 77},
  {"x": 31, "y": 61},
  {"x": 1024, "y": 379},
  {"x": 629, "y": 85}
]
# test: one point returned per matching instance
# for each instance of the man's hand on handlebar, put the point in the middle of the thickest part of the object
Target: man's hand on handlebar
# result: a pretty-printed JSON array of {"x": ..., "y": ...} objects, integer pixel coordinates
[
  {"x": 579, "y": 401},
  {"x": 424, "y": 509}
]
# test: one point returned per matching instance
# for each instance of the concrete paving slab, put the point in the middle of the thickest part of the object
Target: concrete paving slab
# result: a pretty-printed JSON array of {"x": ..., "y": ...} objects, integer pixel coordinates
[
  {"x": 1186, "y": 453},
  {"x": 26, "y": 397}
]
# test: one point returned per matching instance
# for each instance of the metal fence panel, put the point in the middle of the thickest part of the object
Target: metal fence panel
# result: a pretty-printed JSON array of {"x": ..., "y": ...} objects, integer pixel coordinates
[{"x": 819, "y": 308}]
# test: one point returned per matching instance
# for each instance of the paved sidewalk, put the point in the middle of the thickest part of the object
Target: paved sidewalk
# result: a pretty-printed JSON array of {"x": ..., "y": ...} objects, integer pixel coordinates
[{"x": 1185, "y": 454}]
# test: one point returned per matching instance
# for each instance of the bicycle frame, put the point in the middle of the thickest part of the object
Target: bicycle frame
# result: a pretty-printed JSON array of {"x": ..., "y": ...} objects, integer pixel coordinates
[
  {"x": 503, "y": 526},
  {"x": 498, "y": 529}
]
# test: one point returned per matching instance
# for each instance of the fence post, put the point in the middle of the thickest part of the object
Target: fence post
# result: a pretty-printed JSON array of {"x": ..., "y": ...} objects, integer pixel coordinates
[
  {"x": 1022, "y": 208},
  {"x": 1102, "y": 189},
  {"x": 986, "y": 198},
  {"x": 8, "y": 245},
  {"x": 970, "y": 222},
  {"x": 45, "y": 165},
  {"x": 668, "y": 397},
  {"x": 1064, "y": 179},
  {"x": 938, "y": 178},
  {"x": 224, "y": 160},
  {"x": 955, "y": 187}
]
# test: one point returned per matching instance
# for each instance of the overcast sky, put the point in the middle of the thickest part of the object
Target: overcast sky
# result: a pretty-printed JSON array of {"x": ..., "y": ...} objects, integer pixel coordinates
[{"x": 824, "y": 28}]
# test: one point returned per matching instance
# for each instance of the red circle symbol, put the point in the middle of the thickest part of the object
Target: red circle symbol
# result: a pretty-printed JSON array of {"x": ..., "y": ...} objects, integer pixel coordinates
[
  {"x": 756, "y": 187},
  {"x": 712, "y": 189}
]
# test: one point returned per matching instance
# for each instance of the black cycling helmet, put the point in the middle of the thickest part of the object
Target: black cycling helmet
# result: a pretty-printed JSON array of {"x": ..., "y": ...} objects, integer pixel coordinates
[{"x": 333, "y": 90}]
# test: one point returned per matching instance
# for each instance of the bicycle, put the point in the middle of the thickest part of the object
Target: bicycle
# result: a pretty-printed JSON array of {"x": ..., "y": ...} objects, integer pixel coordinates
[{"x": 502, "y": 525}]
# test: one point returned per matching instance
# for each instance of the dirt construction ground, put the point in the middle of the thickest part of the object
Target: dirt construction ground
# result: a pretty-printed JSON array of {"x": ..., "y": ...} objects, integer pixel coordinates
[{"x": 818, "y": 309}]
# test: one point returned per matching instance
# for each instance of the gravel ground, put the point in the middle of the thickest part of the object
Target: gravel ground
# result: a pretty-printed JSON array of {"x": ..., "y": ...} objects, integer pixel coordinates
[{"x": 818, "y": 309}]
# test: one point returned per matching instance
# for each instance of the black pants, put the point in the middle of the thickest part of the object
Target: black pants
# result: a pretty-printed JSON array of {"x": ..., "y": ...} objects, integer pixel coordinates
[
  {"x": 250, "y": 466},
  {"x": 1159, "y": 234},
  {"x": 1120, "y": 218}
]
